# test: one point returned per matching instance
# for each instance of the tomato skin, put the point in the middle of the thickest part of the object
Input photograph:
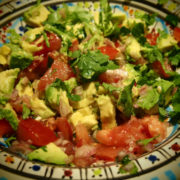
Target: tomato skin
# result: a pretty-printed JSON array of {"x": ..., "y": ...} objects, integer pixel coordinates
[
  {"x": 5, "y": 128},
  {"x": 159, "y": 69},
  {"x": 64, "y": 126},
  {"x": 54, "y": 44},
  {"x": 36, "y": 132},
  {"x": 82, "y": 135},
  {"x": 109, "y": 50},
  {"x": 152, "y": 37},
  {"x": 176, "y": 33},
  {"x": 59, "y": 69}
]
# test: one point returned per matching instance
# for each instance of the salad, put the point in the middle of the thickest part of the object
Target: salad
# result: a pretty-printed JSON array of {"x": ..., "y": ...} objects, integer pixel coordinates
[{"x": 81, "y": 87}]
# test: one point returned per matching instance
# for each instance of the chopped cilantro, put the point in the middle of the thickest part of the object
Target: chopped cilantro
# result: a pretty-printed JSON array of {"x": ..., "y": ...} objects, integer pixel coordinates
[
  {"x": 26, "y": 112},
  {"x": 92, "y": 64},
  {"x": 125, "y": 100},
  {"x": 138, "y": 30},
  {"x": 145, "y": 142},
  {"x": 172, "y": 19},
  {"x": 124, "y": 31},
  {"x": 9, "y": 140},
  {"x": 44, "y": 148},
  {"x": 46, "y": 39}
]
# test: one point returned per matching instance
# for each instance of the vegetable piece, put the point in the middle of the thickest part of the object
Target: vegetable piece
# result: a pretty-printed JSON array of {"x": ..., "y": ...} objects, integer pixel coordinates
[
  {"x": 36, "y": 15},
  {"x": 172, "y": 19},
  {"x": 64, "y": 127},
  {"x": 5, "y": 128},
  {"x": 35, "y": 132},
  {"x": 54, "y": 44},
  {"x": 59, "y": 69},
  {"x": 82, "y": 135},
  {"x": 107, "y": 112},
  {"x": 10, "y": 115},
  {"x": 152, "y": 37},
  {"x": 125, "y": 100},
  {"x": 8, "y": 78},
  {"x": 92, "y": 64},
  {"x": 176, "y": 33},
  {"x": 152, "y": 53},
  {"x": 149, "y": 99},
  {"x": 26, "y": 112},
  {"x": 105, "y": 16},
  {"x": 109, "y": 50},
  {"x": 158, "y": 68},
  {"x": 20, "y": 59},
  {"x": 49, "y": 154},
  {"x": 107, "y": 153}
]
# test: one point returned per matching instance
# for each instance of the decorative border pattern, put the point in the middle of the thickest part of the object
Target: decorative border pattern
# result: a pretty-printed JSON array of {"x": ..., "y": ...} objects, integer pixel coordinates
[{"x": 163, "y": 155}]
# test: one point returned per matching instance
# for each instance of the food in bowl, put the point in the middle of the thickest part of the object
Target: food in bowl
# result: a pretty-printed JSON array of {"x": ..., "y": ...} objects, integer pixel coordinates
[{"x": 79, "y": 88}]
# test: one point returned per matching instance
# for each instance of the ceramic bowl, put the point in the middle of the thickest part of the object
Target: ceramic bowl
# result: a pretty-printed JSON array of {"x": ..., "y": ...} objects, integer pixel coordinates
[{"x": 160, "y": 164}]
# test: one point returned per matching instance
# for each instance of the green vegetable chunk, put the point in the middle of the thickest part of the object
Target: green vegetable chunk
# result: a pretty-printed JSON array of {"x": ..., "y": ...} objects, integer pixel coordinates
[
  {"x": 49, "y": 154},
  {"x": 20, "y": 59}
]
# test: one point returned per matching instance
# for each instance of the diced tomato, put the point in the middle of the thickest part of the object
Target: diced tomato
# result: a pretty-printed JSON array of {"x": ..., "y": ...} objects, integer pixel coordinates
[
  {"x": 109, "y": 50},
  {"x": 152, "y": 37},
  {"x": 54, "y": 44},
  {"x": 74, "y": 46},
  {"x": 112, "y": 76},
  {"x": 124, "y": 136},
  {"x": 64, "y": 126},
  {"x": 37, "y": 68},
  {"x": 5, "y": 128},
  {"x": 176, "y": 33},
  {"x": 108, "y": 153},
  {"x": 82, "y": 135},
  {"x": 159, "y": 69},
  {"x": 59, "y": 69},
  {"x": 34, "y": 131}
]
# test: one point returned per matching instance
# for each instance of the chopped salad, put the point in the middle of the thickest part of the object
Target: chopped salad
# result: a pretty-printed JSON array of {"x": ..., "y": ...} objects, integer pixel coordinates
[{"x": 81, "y": 87}]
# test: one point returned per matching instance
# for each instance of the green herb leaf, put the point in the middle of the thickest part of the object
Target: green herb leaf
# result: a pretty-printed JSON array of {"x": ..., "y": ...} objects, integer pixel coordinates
[
  {"x": 9, "y": 140},
  {"x": 152, "y": 53},
  {"x": 26, "y": 112},
  {"x": 138, "y": 30},
  {"x": 14, "y": 36},
  {"x": 92, "y": 64},
  {"x": 3, "y": 100},
  {"x": 145, "y": 142},
  {"x": 124, "y": 31},
  {"x": 46, "y": 39},
  {"x": 172, "y": 19},
  {"x": 125, "y": 100}
]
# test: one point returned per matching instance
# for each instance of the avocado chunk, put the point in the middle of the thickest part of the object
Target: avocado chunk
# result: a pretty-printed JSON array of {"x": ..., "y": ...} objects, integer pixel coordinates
[
  {"x": 40, "y": 108},
  {"x": 118, "y": 17},
  {"x": 4, "y": 52},
  {"x": 8, "y": 78},
  {"x": 30, "y": 48},
  {"x": 107, "y": 112},
  {"x": 10, "y": 115},
  {"x": 89, "y": 90},
  {"x": 149, "y": 99},
  {"x": 84, "y": 116},
  {"x": 20, "y": 59},
  {"x": 71, "y": 84},
  {"x": 133, "y": 48},
  {"x": 49, "y": 154},
  {"x": 166, "y": 43},
  {"x": 24, "y": 87},
  {"x": 36, "y": 15},
  {"x": 31, "y": 34}
]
